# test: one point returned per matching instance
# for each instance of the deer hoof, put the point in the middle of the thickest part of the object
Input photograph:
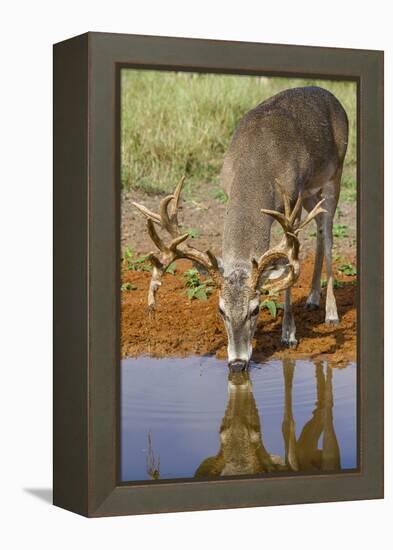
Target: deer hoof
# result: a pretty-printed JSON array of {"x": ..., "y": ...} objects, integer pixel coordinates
[
  {"x": 313, "y": 300},
  {"x": 289, "y": 342},
  {"x": 332, "y": 322}
]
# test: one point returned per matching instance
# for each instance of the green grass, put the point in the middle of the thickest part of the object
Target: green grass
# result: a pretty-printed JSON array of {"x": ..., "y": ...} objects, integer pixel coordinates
[{"x": 181, "y": 123}]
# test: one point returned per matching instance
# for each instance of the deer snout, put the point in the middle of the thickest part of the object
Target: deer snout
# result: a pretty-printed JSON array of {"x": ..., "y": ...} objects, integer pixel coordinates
[{"x": 237, "y": 365}]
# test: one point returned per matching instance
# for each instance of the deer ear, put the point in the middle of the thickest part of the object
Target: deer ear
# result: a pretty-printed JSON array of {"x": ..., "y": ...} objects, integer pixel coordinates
[{"x": 273, "y": 273}]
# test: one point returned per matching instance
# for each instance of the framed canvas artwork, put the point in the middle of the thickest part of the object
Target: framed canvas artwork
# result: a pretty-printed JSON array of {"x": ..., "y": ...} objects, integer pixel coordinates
[{"x": 218, "y": 274}]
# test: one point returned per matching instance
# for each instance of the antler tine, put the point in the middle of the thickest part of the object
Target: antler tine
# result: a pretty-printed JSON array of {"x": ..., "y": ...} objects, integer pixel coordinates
[
  {"x": 213, "y": 260},
  {"x": 287, "y": 207},
  {"x": 169, "y": 221},
  {"x": 311, "y": 215},
  {"x": 278, "y": 216},
  {"x": 176, "y": 194},
  {"x": 166, "y": 219},
  {"x": 173, "y": 250},
  {"x": 156, "y": 238},
  {"x": 180, "y": 239},
  {"x": 148, "y": 213},
  {"x": 288, "y": 248},
  {"x": 296, "y": 208},
  {"x": 167, "y": 250}
]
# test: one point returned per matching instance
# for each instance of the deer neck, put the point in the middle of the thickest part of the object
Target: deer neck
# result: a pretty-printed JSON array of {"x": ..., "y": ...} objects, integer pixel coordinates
[{"x": 246, "y": 231}]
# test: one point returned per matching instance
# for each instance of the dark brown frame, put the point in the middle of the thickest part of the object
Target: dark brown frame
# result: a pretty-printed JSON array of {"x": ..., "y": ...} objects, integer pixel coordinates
[{"x": 86, "y": 271}]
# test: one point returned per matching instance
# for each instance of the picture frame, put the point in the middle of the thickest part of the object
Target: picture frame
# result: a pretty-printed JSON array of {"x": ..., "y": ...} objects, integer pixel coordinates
[{"x": 86, "y": 272}]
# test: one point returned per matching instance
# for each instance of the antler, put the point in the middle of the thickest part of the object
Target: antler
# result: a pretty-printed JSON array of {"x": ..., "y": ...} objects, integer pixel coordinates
[
  {"x": 288, "y": 248},
  {"x": 168, "y": 221}
]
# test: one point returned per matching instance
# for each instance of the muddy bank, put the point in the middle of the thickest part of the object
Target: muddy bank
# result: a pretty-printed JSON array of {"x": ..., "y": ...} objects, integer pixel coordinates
[{"x": 182, "y": 327}]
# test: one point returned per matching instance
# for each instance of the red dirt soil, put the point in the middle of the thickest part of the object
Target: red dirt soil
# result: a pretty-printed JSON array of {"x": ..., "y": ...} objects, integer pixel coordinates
[{"x": 181, "y": 327}]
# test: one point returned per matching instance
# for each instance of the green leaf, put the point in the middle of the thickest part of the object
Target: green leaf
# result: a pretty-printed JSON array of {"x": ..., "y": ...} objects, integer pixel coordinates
[
  {"x": 139, "y": 264},
  {"x": 348, "y": 269},
  {"x": 200, "y": 293},
  {"x": 197, "y": 289},
  {"x": 127, "y": 254},
  {"x": 125, "y": 287},
  {"x": 271, "y": 306},
  {"x": 192, "y": 278},
  {"x": 193, "y": 233},
  {"x": 190, "y": 293},
  {"x": 171, "y": 268}
]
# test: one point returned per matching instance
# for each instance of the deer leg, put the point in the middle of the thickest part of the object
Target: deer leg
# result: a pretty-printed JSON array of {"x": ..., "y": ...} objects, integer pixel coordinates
[
  {"x": 315, "y": 291},
  {"x": 331, "y": 192},
  {"x": 288, "y": 423},
  {"x": 288, "y": 337}
]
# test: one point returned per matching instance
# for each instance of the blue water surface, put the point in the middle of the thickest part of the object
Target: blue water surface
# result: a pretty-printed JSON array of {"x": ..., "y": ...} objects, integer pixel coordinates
[{"x": 172, "y": 411}]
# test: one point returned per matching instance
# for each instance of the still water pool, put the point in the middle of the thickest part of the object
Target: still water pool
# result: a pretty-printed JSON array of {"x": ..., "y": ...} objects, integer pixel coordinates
[{"x": 192, "y": 418}]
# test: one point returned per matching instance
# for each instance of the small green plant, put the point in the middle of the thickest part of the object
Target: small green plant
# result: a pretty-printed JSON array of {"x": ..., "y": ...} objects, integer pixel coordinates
[
  {"x": 220, "y": 195},
  {"x": 272, "y": 306},
  {"x": 171, "y": 269},
  {"x": 138, "y": 264},
  {"x": 197, "y": 289},
  {"x": 134, "y": 264},
  {"x": 142, "y": 264},
  {"x": 126, "y": 287},
  {"x": 348, "y": 188},
  {"x": 194, "y": 233},
  {"x": 128, "y": 253},
  {"x": 348, "y": 269},
  {"x": 336, "y": 283},
  {"x": 340, "y": 230}
]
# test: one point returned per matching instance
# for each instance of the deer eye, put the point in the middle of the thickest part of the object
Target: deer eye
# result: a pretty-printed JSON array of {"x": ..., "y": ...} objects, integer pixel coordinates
[{"x": 255, "y": 311}]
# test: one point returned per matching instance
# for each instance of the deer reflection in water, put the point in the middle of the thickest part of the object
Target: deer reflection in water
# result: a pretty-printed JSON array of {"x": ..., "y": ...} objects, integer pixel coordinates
[{"x": 242, "y": 450}]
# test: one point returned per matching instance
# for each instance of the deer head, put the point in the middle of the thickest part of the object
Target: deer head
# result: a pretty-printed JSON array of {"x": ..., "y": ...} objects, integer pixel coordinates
[
  {"x": 242, "y": 450},
  {"x": 240, "y": 292}
]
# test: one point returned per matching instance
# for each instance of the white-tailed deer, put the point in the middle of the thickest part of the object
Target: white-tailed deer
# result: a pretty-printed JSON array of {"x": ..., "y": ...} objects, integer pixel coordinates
[{"x": 285, "y": 154}]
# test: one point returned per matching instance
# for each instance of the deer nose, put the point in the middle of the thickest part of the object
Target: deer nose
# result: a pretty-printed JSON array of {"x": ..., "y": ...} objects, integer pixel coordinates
[{"x": 237, "y": 365}]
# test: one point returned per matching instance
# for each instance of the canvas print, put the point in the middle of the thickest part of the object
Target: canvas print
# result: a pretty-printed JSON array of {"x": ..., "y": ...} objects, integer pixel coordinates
[{"x": 238, "y": 276}]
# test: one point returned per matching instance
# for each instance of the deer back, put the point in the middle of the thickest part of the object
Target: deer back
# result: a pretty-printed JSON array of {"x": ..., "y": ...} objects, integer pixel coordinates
[{"x": 298, "y": 138}]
